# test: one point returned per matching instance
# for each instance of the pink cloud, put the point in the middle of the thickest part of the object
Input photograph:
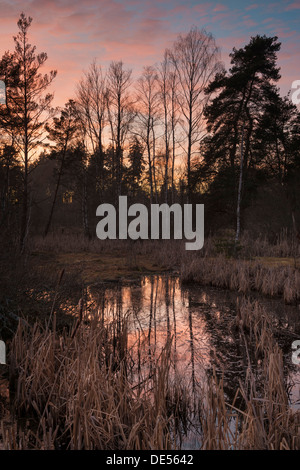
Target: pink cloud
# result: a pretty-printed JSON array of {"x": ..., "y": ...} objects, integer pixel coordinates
[
  {"x": 227, "y": 44},
  {"x": 132, "y": 53},
  {"x": 285, "y": 33},
  {"x": 74, "y": 32},
  {"x": 247, "y": 21},
  {"x": 220, "y": 7},
  {"x": 252, "y": 7},
  {"x": 293, "y": 6},
  {"x": 203, "y": 8},
  {"x": 268, "y": 20},
  {"x": 220, "y": 16}
]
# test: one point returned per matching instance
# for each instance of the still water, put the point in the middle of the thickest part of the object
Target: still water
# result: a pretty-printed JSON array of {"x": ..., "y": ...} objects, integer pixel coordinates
[{"x": 199, "y": 323}]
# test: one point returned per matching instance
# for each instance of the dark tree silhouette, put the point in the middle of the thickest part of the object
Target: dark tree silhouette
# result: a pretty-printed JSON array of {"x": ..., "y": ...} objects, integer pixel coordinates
[
  {"x": 233, "y": 115},
  {"x": 28, "y": 106},
  {"x": 62, "y": 131}
]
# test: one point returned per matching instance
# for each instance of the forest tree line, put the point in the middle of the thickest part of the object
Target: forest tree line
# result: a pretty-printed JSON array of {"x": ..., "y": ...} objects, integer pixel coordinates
[{"x": 187, "y": 130}]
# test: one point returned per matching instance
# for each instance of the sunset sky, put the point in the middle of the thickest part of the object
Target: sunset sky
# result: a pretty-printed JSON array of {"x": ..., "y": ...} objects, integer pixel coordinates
[{"x": 74, "y": 32}]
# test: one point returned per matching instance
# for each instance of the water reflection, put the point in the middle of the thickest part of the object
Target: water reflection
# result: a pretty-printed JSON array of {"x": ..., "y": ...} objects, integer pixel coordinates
[{"x": 200, "y": 324}]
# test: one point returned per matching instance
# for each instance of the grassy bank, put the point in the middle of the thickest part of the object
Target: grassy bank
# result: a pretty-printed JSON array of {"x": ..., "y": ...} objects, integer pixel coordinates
[
  {"x": 245, "y": 276},
  {"x": 276, "y": 273}
]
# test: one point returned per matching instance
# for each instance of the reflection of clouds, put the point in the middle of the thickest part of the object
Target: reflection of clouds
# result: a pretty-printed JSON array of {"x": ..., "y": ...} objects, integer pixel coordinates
[
  {"x": 199, "y": 322},
  {"x": 2, "y": 92},
  {"x": 160, "y": 312}
]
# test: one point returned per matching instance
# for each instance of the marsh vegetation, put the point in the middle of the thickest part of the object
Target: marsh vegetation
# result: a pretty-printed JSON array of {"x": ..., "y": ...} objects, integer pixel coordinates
[{"x": 151, "y": 362}]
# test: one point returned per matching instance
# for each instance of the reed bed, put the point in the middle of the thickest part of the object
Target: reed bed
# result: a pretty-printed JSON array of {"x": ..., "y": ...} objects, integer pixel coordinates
[
  {"x": 81, "y": 388},
  {"x": 265, "y": 420},
  {"x": 284, "y": 245},
  {"x": 217, "y": 264},
  {"x": 244, "y": 276},
  {"x": 77, "y": 390}
]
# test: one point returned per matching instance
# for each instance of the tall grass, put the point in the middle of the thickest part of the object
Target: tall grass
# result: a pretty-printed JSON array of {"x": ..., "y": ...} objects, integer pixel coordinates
[
  {"x": 80, "y": 388},
  {"x": 283, "y": 246},
  {"x": 77, "y": 390},
  {"x": 209, "y": 266},
  {"x": 243, "y": 276},
  {"x": 265, "y": 421}
]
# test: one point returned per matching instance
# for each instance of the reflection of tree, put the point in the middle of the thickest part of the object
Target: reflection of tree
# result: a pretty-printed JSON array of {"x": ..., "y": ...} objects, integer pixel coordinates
[
  {"x": 201, "y": 313},
  {"x": 150, "y": 321},
  {"x": 174, "y": 313},
  {"x": 136, "y": 296},
  {"x": 167, "y": 303},
  {"x": 226, "y": 351},
  {"x": 192, "y": 350}
]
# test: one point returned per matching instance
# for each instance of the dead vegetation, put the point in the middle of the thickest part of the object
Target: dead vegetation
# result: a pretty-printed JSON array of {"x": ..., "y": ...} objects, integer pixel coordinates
[
  {"x": 83, "y": 389},
  {"x": 270, "y": 269},
  {"x": 86, "y": 387},
  {"x": 244, "y": 276}
]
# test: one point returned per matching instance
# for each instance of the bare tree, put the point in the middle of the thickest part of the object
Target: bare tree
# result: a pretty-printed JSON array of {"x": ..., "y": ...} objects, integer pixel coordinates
[
  {"x": 148, "y": 99},
  {"x": 174, "y": 122},
  {"x": 164, "y": 85},
  {"x": 195, "y": 57},
  {"x": 92, "y": 103},
  {"x": 120, "y": 113},
  {"x": 168, "y": 84}
]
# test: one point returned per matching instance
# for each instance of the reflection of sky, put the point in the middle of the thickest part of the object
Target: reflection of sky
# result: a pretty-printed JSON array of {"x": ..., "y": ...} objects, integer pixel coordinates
[
  {"x": 159, "y": 311},
  {"x": 198, "y": 320},
  {"x": 2, "y": 92},
  {"x": 74, "y": 33}
]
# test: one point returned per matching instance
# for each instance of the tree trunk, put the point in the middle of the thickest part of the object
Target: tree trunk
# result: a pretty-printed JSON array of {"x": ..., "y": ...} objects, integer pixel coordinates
[
  {"x": 84, "y": 206},
  {"x": 56, "y": 190},
  {"x": 238, "y": 211},
  {"x": 24, "y": 220}
]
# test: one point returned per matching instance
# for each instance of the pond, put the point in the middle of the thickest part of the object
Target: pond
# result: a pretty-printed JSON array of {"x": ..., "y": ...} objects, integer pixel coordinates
[
  {"x": 198, "y": 330},
  {"x": 200, "y": 324}
]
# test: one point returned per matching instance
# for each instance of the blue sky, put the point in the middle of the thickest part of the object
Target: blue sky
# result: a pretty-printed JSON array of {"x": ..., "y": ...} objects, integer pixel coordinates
[{"x": 74, "y": 32}]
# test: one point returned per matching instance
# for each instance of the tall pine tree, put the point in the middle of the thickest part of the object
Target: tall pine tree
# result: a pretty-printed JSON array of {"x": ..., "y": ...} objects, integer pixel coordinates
[{"x": 28, "y": 106}]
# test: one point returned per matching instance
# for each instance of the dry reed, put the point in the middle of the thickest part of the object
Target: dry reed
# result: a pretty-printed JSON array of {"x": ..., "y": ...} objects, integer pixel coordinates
[
  {"x": 80, "y": 389},
  {"x": 244, "y": 276}
]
